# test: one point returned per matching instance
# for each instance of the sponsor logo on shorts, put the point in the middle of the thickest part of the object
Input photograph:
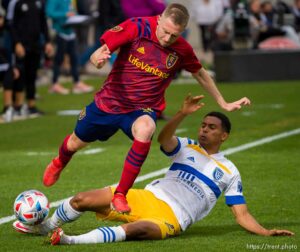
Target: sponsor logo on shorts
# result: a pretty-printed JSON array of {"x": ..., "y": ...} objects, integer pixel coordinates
[
  {"x": 82, "y": 114},
  {"x": 171, "y": 60},
  {"x": 147, "y": 110},
  {"x": 171, "y": 229}
]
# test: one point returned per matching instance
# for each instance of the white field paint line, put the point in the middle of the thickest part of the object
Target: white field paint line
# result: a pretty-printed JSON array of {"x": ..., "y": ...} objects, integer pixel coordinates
[
  {"x": 86, "y": 152},
  {"x": 248, "y": 113},
  {"x": 71, "y": 112},
  {"x": 187, "y": 81},
  {"x": 163, "y": 170},
  {"x": 178, "y": 131},
  {"x": 35, "y": 153},
  {"x": 272, "y": 106},
  {"x": 261, "y": 141},
  {"x": 91, "y": 151}
]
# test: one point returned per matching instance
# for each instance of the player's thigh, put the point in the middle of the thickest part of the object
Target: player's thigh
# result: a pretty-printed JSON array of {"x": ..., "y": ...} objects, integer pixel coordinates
[
  {"x": 143, "y": 230},
  {"x": 97, "y": 200}
]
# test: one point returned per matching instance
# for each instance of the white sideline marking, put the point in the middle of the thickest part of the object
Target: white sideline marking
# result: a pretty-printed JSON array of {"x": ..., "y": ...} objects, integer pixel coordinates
[{"x": 164, "y": 170}]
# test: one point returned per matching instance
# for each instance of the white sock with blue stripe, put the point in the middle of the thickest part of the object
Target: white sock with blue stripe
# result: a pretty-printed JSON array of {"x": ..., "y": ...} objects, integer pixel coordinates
[
  {"x": 99, "y": 235},
  {"x": 63, "y": 214}
]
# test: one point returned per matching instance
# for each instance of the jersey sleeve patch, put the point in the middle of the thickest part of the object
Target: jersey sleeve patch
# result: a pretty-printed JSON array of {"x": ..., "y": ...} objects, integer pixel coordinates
[{"x": 117, "y": 28}]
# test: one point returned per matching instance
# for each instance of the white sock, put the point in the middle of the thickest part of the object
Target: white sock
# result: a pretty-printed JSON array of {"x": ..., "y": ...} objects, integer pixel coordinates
[
  {"x": 63, "y": 214},
  {"x": 99, "y": 235}
]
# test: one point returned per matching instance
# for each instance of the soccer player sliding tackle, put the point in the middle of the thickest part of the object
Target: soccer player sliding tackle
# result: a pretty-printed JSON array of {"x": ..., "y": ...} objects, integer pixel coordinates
[{"x": 198, "y": 175}]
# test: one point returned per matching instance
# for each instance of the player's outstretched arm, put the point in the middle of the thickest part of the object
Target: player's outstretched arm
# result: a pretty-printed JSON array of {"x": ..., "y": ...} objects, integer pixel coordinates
[
  {"x": 209, "y": 85},
  {"x": 166, "y": 136},
  {"x": 100, "y": 56},
  {"x": 248, "y": 222}
]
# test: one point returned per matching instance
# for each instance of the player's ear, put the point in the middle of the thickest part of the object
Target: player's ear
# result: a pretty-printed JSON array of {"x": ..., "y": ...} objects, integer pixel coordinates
[
  {"x": 224, "y": 136},
  {"x": 158, "y": 20}
]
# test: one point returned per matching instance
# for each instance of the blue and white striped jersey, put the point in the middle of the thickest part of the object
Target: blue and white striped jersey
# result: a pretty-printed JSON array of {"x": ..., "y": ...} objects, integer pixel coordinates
[{"x": 195, "y": 181}]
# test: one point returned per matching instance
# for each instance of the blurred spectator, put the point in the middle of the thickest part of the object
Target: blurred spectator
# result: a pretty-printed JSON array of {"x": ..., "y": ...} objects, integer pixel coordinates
[
  {"x": 296, "y": 13},
  {"x": 88, "y": 8},
  {"x": 7, "y": 76},
  {"x": 59, "y": 11},
  {"x": 206, "y": 14},
  {"x": 224, "y": 32},
  {"x": 233, "y": 30},
  {"x": 282, "y": 8},
  {"x": 268, "y": 11},
  {"x": 262, "y": 29},
  {"x": 259, "y": 27},
  {"x": 109, "y": 14},
  {"x": 29, "y": 32},
  {"x": 138, "y": 8}
]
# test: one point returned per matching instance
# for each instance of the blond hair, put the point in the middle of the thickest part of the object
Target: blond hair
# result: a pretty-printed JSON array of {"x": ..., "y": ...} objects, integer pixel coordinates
[{"x": 178, "y": 14}]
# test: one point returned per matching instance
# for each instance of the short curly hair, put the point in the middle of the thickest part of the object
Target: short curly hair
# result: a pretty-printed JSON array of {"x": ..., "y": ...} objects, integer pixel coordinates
[{"x": 226, "y": 124}]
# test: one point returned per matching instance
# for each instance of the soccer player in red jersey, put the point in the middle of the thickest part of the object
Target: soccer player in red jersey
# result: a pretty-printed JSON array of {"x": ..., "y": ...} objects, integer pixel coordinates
[{"x": 151, "y": 51}]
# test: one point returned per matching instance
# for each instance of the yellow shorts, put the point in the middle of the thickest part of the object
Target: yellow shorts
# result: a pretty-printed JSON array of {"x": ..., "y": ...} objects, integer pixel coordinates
[{"x": 146, "y": 207}]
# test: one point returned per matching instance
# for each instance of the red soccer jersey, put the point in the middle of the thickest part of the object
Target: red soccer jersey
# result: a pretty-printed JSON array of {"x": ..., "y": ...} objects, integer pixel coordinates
[{"x": 143, "y": 69}]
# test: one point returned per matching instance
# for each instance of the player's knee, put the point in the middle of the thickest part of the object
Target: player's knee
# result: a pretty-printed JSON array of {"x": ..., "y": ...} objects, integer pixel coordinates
[
  {"x": 78, "y": 202},
  {"x": 75, "y": 144},
  {"x": 144, "y": 129}
]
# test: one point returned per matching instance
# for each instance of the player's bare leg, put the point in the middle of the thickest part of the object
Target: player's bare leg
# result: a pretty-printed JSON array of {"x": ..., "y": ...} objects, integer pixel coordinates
[
  {"x": 95, "y": 201},
  {"x": 139, "y": 230},
  {"x": 70, "y": 145},
  {"x": 142, "y": 130}
]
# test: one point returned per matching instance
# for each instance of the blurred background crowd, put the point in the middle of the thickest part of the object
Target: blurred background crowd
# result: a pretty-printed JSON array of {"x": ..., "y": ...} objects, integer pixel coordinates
[{"x": 41, "y": 41}]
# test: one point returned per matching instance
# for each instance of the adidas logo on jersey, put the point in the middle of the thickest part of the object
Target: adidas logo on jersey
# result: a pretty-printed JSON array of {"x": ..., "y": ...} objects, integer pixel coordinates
[
  {"x": 191, "y": 159},
  {"x": 141, "y": 50}
]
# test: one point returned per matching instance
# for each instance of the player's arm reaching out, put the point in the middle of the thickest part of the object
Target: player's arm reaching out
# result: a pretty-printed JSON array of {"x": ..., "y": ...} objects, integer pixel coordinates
[
  {"x": 248, "y": 222},
  {"x": 100, "y": 56},
  {"x": 209, "y": 85},
  {"x": 167, "y": 137}
]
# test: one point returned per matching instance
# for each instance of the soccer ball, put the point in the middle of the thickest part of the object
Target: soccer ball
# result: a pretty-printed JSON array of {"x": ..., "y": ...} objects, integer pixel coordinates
[{"x": 31, "y": 207}]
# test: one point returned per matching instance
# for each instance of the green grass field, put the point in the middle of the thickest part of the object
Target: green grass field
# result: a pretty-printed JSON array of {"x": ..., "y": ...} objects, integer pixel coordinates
[{"x": 270, "y": 172}]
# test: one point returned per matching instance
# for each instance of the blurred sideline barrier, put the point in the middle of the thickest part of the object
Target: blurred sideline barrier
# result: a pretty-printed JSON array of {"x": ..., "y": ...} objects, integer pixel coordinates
[{"x": 257, "y": 65}]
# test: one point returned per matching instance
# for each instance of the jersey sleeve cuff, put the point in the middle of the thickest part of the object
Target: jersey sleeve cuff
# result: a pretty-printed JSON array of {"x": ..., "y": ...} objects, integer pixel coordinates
[
  {"x": 173, "y": 152},
  {"x": 235, "y": 200}
]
